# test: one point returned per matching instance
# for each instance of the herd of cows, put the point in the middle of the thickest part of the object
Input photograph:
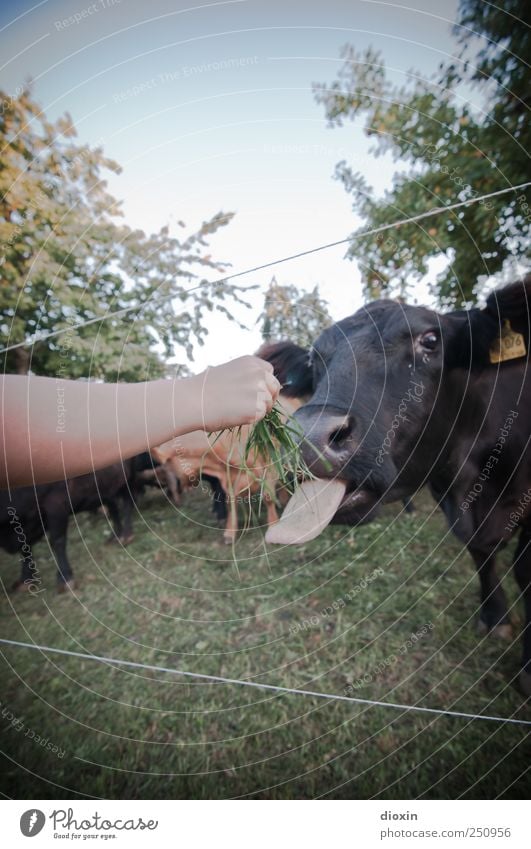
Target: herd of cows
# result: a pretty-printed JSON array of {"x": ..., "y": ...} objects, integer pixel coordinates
[{"x": 388, "y": 400}]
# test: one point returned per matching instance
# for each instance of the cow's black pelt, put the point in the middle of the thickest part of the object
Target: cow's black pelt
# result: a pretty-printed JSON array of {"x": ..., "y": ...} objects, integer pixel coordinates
[
  {"x": 464, "y": 431},
  {"x": 26, "y": 514}
]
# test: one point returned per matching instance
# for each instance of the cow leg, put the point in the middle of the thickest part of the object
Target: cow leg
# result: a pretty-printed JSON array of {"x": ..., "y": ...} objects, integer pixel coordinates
[
  {"x": 493, "y": 616},
  {"x": 409, "y": 507},
  {"x": 29, "y": 575},
  {"x": 219, "y": 498},
  {"x": 116, "y": 519},
  {"x": 57, "y": 529},
  {"x": 219, "y": 505},
  {"x": 128, "y": 503},
  {"x": 271, "y": 507},
  {"x": 231, "y": 528},
  {"x": 123, "y": 532},
  {"x": 522, "y": 573},
  {"x": 172, "y": 483}
]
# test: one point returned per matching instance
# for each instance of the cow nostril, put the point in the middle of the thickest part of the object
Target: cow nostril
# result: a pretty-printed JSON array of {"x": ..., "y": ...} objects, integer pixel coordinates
[{"x": 340, "y": 435}]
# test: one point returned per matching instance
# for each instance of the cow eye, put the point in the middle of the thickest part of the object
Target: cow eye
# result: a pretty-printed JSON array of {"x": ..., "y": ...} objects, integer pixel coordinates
[{"x": 429, "y": 340}]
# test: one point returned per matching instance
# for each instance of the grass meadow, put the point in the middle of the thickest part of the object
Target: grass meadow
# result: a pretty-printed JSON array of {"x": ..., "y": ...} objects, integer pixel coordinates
[{"x": 335, "y": 615}]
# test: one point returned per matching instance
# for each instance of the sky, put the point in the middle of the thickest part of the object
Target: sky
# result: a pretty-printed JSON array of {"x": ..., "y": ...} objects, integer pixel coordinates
[{"x": 209, "y": 107}]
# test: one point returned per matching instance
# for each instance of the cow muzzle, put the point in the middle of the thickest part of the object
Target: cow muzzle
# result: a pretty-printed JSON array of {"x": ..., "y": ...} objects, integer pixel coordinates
[{"x": 328, "y": 441}]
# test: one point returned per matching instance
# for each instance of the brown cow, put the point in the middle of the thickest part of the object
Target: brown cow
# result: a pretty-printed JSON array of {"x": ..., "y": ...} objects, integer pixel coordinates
[{"x": 221, "y": 456}]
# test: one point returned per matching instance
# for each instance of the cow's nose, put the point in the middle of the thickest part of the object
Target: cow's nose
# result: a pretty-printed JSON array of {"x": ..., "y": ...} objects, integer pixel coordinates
[
  {"x": 328, "y": 440},
  {"x": 340, "y": 432}
]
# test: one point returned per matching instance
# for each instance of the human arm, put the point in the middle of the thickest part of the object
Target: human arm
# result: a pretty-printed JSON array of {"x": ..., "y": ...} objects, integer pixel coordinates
[{"x": 54, "y": 428}]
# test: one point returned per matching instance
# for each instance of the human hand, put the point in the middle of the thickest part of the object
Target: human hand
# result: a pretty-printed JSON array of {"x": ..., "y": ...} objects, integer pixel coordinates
[{"x": 239, "y": 392}]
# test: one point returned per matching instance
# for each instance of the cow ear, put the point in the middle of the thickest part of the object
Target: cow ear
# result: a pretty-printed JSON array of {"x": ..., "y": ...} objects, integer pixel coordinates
[
  {"x": 495, "y": 334},
  {"x": 512, "y": 303},
  {"x": 291, "y": 365}
]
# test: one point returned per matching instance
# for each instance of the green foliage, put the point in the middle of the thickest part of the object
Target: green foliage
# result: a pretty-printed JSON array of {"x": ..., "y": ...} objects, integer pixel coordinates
[
  {"x": 291, "y": 314},
  {"x": 451, "y": 153},
  {"x": 67, "y": 257}
]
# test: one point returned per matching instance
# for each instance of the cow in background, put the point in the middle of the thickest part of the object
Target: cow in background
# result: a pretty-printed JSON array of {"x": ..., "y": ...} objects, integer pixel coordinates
[
  {"x": 150, "y": 472},
  {"x": 28, "y": 513},
  {"x": 195, "y": 456}
]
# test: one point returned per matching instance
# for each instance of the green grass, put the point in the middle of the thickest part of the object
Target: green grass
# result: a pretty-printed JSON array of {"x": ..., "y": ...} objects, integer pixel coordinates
[
  {"x": 175, "y": 598},
  {"x": 280, "y": 440}
]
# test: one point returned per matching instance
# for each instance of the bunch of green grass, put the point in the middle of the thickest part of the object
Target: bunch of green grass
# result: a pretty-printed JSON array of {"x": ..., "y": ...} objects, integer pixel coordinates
[
  {"x": 274, "y": 441},
  {"x": 278, "y": 443}
]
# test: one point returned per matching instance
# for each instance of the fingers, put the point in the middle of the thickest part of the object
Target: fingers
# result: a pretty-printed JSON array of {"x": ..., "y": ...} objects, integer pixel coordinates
[
  {"x": 267, "y": 394},
  {"x": 241, "y": 391},
  {"x": 273, "y": 386},
  {"x": 267, "y": 389}
]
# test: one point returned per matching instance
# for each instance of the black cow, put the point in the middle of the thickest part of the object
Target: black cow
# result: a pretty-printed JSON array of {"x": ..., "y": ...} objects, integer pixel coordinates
[
  {"x": 28, "y": 513},
  {"x": 403, "y": 396}
]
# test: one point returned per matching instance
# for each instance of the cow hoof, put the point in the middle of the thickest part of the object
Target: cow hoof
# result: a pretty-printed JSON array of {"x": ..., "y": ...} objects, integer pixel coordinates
[
  {"x": 111, "y": 540},
  {"x": 525, "y": 683},
  {"x": 503, "y": 631},
  {"x": 20, "y": 587},
  {"x": 126, "y": 539},
  {"x": 64, "y": 586},
  {"x": 229, "y": 540}
]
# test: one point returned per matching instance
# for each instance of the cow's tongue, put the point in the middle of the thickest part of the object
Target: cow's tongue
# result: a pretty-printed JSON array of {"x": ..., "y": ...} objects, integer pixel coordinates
[{"x": 308, "y": 512}]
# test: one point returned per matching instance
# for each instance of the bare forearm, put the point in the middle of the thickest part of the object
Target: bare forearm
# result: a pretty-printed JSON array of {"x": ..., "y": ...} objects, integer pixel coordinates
[
  {"x": 54, "y": 428},
  {"x": 74, "y": 427}
]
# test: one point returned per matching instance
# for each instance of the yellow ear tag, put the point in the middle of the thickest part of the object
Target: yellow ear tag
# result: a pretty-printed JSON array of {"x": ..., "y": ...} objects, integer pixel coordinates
[{"x": 508, "y": 346}]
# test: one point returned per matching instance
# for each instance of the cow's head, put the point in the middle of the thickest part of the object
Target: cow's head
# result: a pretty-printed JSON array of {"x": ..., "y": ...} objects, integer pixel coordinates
[{"x": 389, "y": 385}]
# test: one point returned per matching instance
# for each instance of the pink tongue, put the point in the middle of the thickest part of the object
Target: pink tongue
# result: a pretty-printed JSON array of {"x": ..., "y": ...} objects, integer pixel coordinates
[{"x": 308, "y": 512}]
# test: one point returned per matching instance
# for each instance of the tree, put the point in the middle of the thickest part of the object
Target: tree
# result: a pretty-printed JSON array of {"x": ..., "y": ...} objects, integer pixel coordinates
[
  {"x": 67, "y": 257},
  {"x": 454, "y": 152},
  {"x": 291, "y": 314}
]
